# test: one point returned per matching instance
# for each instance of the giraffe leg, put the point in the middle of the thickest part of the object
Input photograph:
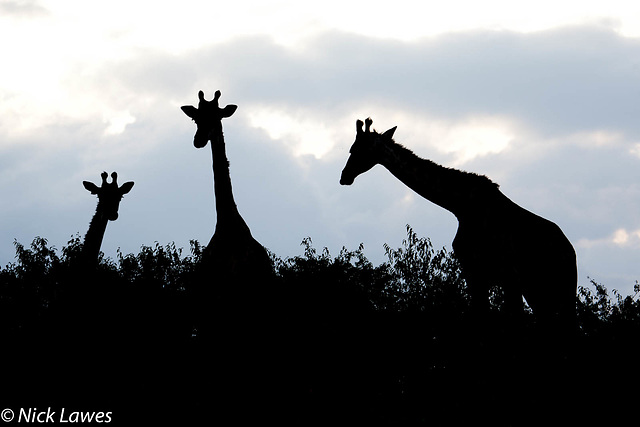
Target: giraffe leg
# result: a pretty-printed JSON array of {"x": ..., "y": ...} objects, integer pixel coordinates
[
  {"x": 513, "y": 306},
  {"x": 479, "y": 293}
]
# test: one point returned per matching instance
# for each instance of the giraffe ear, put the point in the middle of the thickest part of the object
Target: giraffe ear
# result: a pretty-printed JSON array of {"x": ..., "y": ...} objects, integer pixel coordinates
[
  {"x": 91, "y": 187},
  {"x": 126, "y": 187},
  {"x": 390, "y": 132},
  {"x": 229, "y": 110},
  {"x": 190, "y": 111}
]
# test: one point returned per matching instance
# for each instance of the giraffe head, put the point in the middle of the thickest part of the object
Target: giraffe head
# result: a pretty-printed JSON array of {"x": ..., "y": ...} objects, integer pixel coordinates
[
  {"x": 109, "y": 194},
  {"x": 208, "y": 117},
  {"x": 364, "y": 151}
]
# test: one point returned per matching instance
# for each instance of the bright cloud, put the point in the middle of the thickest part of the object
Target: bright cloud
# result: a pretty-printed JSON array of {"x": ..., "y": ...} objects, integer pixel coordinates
[
  {"x": 65, "y": 40},
  {"x": 302, "y": 133},
  {"x": 288, "y": 21},
  {"x": 463, "y": 139},
  {"x": 620, "y": 238},
  {"x": 471, "y": 138},
  {"x": 117, "y": 122}
]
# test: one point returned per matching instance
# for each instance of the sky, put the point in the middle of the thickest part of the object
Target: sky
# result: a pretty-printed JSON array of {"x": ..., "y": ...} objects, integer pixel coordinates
[{"x": 543, "y": 97}]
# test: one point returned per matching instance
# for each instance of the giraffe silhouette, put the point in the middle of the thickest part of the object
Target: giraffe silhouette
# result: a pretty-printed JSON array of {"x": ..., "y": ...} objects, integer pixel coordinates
[
  {"x": 497, "y": 242},
  {"x": 233, "y": 259},
  {"x": 91, "y": 293},
  {"x": 109, "y": 196},
  {"x": 231, "y": 290},
  {"x": 84, "y": 309}
]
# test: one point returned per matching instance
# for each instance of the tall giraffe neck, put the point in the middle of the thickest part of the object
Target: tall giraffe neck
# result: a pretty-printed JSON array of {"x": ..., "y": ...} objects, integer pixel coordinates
[
  {"x": 94, "y": 236},
  {"x": 226, "y": 207},
  {"x": 448, "y": 188}
]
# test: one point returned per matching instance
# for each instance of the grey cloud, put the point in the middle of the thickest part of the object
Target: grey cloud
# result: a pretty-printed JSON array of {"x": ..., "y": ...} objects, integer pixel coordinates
[
  {"x": 555, "y": 82},
  {"x": 22, "y": 8}
]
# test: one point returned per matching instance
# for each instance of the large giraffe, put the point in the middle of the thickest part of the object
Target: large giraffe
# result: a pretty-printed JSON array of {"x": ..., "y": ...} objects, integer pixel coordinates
[
  {"x": 86, "y": 306},
  {"x": 497, "y": 242},
  {"x": 109, "y": 196},
  {"x": 234, "y": 261},
  {"x": 230, "y": 294}
]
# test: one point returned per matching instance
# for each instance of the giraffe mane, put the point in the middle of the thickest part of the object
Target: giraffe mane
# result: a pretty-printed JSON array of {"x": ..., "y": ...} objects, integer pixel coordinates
[{"x": 461, "y": 176}]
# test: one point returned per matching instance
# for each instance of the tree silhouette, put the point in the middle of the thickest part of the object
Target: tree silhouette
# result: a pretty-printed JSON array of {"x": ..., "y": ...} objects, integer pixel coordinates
[{"x": 392, "y": 343}]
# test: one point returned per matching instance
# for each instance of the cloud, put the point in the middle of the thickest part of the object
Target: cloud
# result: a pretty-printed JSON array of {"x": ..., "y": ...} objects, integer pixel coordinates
[
  {"x": 22, "y": 8},
  {"x": 306, "y": 135},
  {"x": 555, "y": 82},
  {"x": 620, "y": 237},
  {"x": 117, "y": 122},
  {"x": 551, "y": 116}
]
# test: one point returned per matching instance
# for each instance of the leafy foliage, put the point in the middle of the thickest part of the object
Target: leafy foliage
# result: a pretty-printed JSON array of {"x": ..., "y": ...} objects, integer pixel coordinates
[
  {"x": 422, "y": 279},
  {"x": 397, "y": 332},
  {"x": 416, "y": 278},
  {"x": 602, "y": 317}
]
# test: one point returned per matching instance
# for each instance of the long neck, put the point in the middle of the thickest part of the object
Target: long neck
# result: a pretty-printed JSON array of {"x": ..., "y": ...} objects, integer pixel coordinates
[
  {"x": 94, "y": 236},
  {"x": 448, "y": 188},
  {"x": 226, "y": 207}
]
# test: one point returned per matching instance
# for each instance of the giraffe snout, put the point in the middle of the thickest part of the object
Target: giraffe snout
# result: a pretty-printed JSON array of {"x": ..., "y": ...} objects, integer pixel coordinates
[
  {"x": 346, "y": 180},
  {"x": 200, "y": 139}
]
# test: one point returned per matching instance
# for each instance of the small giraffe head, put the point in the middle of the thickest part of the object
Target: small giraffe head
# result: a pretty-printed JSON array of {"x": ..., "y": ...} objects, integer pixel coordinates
[
  {"x": 208, "y": 116},
  {"x": 364, "y": 151},
  {"x": 109, "y": 194}
]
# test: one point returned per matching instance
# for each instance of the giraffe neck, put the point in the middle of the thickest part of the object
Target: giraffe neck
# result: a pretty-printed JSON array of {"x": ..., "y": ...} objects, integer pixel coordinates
[
  {"x": 226, "y": 208},
  {"x": 448, "y": 188},
  {"x": 94, "y": 236}
]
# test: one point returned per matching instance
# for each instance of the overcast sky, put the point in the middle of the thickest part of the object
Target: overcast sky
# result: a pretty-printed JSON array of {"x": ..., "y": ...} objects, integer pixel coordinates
[{"x": 544, "y": 99}]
